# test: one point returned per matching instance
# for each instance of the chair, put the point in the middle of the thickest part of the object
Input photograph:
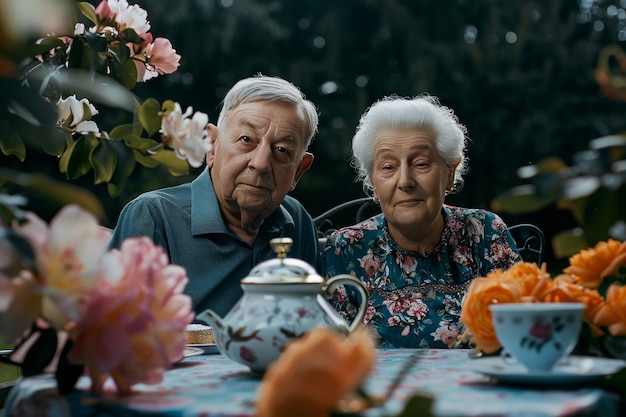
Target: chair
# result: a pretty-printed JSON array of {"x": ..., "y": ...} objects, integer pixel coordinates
[
  {"x": 343, "y": 214},
  {"x": 529, "y": 238},
  {"x": 5, "y": 388},
  {"x": 530, "y": 242},
  {"x": 339, "y": 214}
]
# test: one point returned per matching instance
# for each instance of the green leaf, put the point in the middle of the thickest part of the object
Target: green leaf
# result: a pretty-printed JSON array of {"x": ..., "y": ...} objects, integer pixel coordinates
[
  {"x": 46, "y": 44},
  {"x": 78, "y": 162},
  {"x": 88, "y": 10},
  {"x": 96, "y": 42},
  {"x": 603, "y": 209},
  {"x": 174, "y": 164},
  {"x": 125, "y": 166},
  {"x": 120, "y": 51},
  {"x": 125, "y": 130},
  {"x": 146, "y": 160},
  {"x": 130, "y": 35},
  {"x": 10, "y": 141},
  {"x": 130, "y": 74},
  {"x": 103, "y": 159},
  {"x": 168, "y": 106},
  {"x": 55, "y": 191},
  {"x": 149, "y": 116},
  {"x": 568, "y": 242},
  {"x": 65, "y": 157},
  {"x": 142, "y": 145},
  {"x": 521, "y": 199}
]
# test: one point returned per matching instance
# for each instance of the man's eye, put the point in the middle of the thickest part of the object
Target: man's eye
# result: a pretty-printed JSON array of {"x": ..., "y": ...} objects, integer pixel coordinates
[
  {"x": 281, "y": 149},
  {"x": 246, "y": 139}
]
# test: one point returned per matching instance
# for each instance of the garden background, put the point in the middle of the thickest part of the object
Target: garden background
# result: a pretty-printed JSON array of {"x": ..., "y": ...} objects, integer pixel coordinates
[{"x": 519, "y": 74}]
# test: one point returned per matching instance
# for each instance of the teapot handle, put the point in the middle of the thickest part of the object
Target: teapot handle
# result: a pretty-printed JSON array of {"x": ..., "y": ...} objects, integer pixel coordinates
[{"x": 346, "y": 279}]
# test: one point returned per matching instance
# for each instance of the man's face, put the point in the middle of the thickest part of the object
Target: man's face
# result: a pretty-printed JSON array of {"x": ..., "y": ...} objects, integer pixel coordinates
[{"x": 258, "y": 157}]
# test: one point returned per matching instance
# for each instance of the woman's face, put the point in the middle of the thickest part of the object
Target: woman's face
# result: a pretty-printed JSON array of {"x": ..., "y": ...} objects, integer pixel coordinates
[{"x": 410, "y": 180}]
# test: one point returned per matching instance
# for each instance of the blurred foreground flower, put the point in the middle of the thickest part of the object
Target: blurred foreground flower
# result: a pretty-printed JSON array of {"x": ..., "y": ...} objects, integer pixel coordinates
[
  {"x": 314, "y": 373},
  {"x": 592, "y": 273},
  {"x": 124, "y": 311}
]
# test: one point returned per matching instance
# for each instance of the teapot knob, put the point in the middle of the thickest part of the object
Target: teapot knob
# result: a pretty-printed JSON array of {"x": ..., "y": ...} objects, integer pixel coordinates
[{"x": 281, "y": 245}]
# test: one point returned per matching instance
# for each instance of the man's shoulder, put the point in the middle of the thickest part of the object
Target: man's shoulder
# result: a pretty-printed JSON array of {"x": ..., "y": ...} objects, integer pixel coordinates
[{"x": 175, "y": 194}]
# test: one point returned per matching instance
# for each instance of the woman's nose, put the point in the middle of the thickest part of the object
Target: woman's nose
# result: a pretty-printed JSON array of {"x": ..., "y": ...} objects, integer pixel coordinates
[{"x": 405, "y": 179}]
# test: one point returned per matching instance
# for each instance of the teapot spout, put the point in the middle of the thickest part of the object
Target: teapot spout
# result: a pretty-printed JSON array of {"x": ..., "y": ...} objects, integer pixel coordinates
[{"x": 212, "y": 318}]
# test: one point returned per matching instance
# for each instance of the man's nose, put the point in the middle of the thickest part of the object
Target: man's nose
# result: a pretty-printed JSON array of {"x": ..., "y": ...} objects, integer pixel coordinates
[{"x": 261, "y": 158}]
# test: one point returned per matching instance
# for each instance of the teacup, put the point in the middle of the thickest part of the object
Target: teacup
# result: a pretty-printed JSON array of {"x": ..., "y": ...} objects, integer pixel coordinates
[{"x": 537, "y": 335}]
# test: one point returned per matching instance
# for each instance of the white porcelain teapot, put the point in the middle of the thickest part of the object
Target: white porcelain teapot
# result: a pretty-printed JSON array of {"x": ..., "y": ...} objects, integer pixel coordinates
[{"x": 283, "y": 298}]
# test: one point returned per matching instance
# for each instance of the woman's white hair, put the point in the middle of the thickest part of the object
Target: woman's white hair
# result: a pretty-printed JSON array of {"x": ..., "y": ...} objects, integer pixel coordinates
[
  {"x": 423, "y": 112},
  {"x": 266, "y": 88}
]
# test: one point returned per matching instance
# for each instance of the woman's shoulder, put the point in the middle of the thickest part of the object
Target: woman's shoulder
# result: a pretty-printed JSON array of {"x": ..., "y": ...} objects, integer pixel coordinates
[{"x": 471, "y": 214}]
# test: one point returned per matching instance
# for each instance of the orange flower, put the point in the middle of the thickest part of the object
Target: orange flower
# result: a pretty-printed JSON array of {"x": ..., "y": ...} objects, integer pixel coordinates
[
  {"x": 475, "y": 314},
  {"x": 534, "y": 281},
  {"x": 590, "y": 266},
  {"x": 564, "y": 289},
  {"x": 314, "y": 372},
  {"x": 613, "y": 313}
]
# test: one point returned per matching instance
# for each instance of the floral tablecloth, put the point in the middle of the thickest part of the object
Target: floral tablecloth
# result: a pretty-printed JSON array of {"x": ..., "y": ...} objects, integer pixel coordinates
[{"x": 212, "y": 385}]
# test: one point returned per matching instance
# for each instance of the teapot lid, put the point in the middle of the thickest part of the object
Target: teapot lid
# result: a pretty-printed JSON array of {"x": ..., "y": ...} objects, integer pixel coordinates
[{"x": 283, "y": 270}]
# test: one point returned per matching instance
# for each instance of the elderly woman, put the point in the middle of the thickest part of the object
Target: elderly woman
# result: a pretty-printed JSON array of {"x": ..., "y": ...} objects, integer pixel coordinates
[{"x": 418, "y": 256}]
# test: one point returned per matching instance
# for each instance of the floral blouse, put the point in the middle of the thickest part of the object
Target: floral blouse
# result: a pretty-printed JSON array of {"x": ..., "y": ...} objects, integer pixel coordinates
[{"x": 414, "y": 299}]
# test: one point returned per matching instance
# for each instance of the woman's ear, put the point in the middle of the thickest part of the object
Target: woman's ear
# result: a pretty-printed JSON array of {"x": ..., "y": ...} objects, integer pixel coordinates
[
  {"x": 452, "y": 174},
  {"x": 212, "y": 134}
]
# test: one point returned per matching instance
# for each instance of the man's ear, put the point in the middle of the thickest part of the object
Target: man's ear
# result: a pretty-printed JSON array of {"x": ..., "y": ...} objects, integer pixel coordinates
[
  {"x": 212, "y": 133},
  {"x": 307, "y": 161}
]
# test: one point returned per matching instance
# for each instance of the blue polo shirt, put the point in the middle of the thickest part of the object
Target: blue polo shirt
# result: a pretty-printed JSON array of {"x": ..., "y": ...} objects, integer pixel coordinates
[{"x": 186, "y": 221}]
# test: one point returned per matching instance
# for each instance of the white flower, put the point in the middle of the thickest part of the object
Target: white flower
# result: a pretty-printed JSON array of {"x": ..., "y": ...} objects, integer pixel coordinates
[
  {"x": 188, "y": 137},
  {"x": 79, "y": 29},
  {"x": 80, "y": 111},
  {"x": 127, "y": 16}
]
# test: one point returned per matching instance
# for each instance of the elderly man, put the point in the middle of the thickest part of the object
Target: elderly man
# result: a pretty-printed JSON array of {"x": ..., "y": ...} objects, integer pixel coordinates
[{"x": 219, "y": 225}]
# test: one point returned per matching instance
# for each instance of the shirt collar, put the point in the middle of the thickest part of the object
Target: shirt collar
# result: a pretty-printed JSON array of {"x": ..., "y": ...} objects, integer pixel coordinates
[{"x": 205, "y": 210}]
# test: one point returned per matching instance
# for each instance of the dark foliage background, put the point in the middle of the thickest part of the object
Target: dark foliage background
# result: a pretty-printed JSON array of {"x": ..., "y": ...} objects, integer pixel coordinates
[{"x": 519, "y": 74}]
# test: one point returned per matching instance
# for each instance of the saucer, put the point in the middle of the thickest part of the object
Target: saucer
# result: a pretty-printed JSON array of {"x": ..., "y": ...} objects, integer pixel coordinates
[
  {"x": 571, "y": 370},
  {"x": 191, "y": 351},
  {"x": 207, "y": 348}
]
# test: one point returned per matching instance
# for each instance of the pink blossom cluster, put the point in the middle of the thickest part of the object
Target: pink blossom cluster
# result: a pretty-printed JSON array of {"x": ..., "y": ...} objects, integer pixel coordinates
[
  {"x": 124, "y": 310},
  {"x": 152, "y": 57}
]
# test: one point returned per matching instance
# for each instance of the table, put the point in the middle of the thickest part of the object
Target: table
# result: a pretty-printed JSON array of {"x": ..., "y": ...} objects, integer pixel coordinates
[{"x": 213, "y": 385}]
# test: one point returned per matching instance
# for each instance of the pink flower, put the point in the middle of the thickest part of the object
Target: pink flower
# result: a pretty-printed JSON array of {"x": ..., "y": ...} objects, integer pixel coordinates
[
  {"x": 161, "y": 56},
  {"x": 370, "y": 263},
  {"x": 541, "y": 331},
  {"x": 104, "y": 12},
  {"x": 134, "y": 323},
  {"x": 68, "y": 254}
]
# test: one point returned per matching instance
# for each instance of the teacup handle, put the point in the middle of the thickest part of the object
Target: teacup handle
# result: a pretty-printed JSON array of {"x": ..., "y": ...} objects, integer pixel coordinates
[
  {"x": 507, "y": 357},
  {"x": 346, "y": 279}
]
